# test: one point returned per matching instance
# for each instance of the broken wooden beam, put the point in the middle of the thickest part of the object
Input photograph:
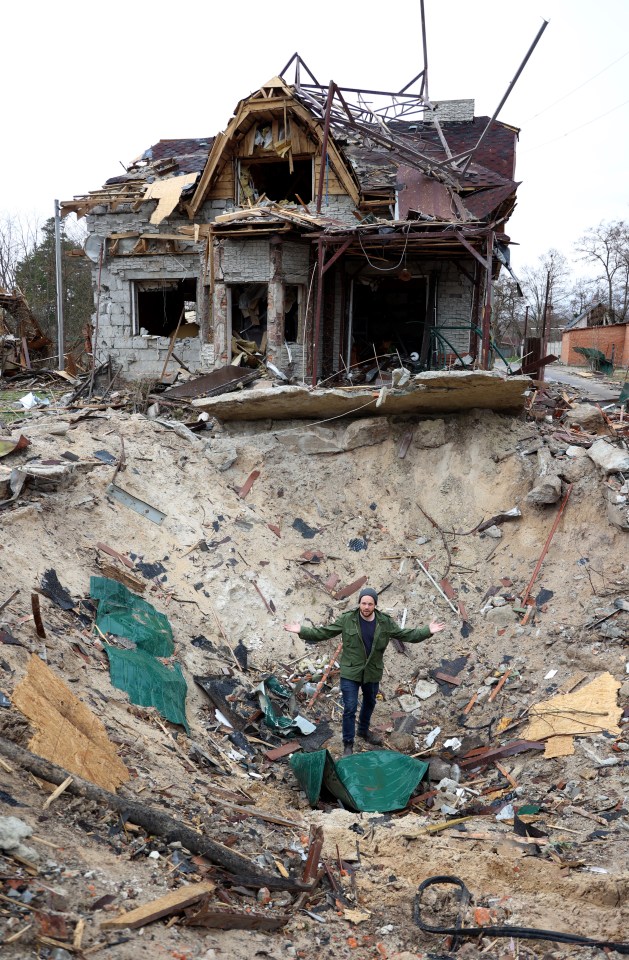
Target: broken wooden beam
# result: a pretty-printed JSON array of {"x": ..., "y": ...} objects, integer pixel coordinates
[
  {"x": 152, "y": 820},
  {"x": 173, "y": 902}
]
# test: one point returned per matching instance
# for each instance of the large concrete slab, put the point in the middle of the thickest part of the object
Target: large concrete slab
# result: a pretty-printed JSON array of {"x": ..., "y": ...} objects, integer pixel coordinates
[{"x": 432, "y": 392}]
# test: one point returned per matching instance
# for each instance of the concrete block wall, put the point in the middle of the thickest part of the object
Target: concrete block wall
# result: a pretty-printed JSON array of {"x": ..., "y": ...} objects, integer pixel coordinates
[
  {"x": 140, "y": 356},
  {"x": 339, "y": 207},
  {"x": 245, "y": 261},
  {"x": 454, "y": 307},
  {"x": 614, "y": 336}
]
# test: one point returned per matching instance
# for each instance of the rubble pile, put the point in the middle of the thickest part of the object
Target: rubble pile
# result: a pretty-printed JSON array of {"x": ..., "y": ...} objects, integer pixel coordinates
[{"x": 153, "y": 709}]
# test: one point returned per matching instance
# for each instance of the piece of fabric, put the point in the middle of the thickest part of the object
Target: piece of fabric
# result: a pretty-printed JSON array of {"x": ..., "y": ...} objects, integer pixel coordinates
[
  {"x": 375, "y": 781},
  {"x": 355, "y": 664},
  {"x": 350, "y": 690}
]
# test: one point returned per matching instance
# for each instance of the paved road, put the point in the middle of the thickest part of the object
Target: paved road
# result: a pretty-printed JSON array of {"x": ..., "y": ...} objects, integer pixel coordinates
[{"x": 592, "y": 389}]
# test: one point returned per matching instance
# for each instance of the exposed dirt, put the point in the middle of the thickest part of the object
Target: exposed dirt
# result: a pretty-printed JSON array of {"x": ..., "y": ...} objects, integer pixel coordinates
[{"x": 216, "y": 548}]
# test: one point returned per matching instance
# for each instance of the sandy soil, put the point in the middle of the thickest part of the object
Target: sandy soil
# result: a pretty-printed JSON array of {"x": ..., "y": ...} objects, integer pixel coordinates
[{"x": 221, "y": 562}]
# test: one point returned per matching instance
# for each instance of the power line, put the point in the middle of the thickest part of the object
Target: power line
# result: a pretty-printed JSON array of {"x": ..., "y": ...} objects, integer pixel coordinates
[
  {"x": 574, "y": 129},
  {"x": 576, "y": 89}
]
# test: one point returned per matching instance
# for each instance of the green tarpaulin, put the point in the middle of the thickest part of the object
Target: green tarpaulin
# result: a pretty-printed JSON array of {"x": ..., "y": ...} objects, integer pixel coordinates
[
  {"x": 126, "y": 615},
  {"x": 149, "y": 682},
  {"x": 370, "y": 782}
]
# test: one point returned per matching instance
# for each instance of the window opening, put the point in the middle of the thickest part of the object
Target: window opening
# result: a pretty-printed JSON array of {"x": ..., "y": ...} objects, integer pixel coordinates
[
  {"x": 249, "y": 311},
  {"x": 160, "y": 305},
  {"x": 274, "y": 179}
]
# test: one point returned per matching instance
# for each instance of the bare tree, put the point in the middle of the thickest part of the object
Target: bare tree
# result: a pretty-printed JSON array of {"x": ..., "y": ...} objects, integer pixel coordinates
[
  {"x": 546, "y": 288},
  {"x": 507, "y": 313},
  {"x": 18, "y": 237},
  {"x": 607, "y": 248}
]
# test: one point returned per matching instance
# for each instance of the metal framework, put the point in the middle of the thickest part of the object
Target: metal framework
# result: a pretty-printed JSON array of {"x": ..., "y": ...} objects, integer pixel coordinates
[{"x": 385, "y": 121}]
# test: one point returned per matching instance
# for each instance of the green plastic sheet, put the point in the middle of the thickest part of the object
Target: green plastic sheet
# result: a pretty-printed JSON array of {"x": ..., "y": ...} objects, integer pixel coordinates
[
  {"x": 124, "y": 614},
  {"x": 149, "y": 682},
  {"x": 372, "y": 782}
]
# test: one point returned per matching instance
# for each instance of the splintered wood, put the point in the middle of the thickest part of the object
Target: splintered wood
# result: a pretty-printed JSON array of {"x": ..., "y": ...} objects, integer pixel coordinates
[{"x": 67, "y": 732}]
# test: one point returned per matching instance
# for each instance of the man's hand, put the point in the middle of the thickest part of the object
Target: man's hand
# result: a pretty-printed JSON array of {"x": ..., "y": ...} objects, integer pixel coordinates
[
  {"x": 434, "y": 626},
  {"x": 292, "y": 627}
]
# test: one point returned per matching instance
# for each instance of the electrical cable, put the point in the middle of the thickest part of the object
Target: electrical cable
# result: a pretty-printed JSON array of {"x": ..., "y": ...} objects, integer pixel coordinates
[
  {"x": 575, "y": 129},
  {"x": 385, "y": 269},
  {"x": 518, "y": 933},
  {"x": 576, "y": 89}
]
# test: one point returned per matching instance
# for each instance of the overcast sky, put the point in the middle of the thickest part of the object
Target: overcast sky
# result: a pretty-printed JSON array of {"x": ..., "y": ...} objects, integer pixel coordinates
[{"x": 87, "y": 87}]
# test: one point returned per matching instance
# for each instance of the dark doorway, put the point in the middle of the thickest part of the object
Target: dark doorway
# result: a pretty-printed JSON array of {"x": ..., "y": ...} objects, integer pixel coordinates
[
  {"x": 163, "y": 304},
  {"x": 388, "y": 314}
]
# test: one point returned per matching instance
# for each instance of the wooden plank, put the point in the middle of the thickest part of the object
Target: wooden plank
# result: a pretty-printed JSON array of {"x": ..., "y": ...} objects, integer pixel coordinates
[
  {"x": 485, "y": 756},
  {"x": 114, "y": 553},
  {"x": 284, "y": 751},
  {"x": 447, "y": 678},
  {"x": 173, "y": 902}
]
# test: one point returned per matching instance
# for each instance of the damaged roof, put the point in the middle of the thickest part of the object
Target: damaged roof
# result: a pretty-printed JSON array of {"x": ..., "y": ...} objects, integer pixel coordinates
[{"x": 481, "y": 189}]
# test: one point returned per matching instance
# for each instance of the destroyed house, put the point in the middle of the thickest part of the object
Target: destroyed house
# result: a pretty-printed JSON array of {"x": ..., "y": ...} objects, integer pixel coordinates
[{"x": 322, "y": 227}]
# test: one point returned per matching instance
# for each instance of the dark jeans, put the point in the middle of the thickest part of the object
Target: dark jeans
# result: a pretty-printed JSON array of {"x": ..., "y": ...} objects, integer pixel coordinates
[{"x": 349, "y": 690}]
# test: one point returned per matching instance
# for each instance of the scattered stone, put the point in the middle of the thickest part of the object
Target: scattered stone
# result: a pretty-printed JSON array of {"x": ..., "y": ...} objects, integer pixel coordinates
[
  {"x": 403, "y": 742},
  {"x": 425, "y": 689},
  {"x": 502, "y": 616},
  {"x": 548, "y": 491},
  {"x": 409, "y": 703},
  {"x": 12, "y": 832},
  {"x": 585, "y": 415},
  {"x": 365, "y": 433},
  {"x": 494, "y": 532},
  {"x": 429, "y": 433},
  {"x": 609, "y": 458}
]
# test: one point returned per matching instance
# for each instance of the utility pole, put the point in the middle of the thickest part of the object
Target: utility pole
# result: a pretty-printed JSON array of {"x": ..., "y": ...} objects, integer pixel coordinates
[
  {"x": 544, "y": 344},
  {"x": 59, "y": 278}
]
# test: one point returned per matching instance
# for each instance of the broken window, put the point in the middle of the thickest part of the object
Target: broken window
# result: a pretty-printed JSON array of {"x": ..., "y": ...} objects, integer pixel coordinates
[
  {"x": 276, "y": 179},
  {"x": 163, "y": 305},
  {"x": 248, "y": 312}
]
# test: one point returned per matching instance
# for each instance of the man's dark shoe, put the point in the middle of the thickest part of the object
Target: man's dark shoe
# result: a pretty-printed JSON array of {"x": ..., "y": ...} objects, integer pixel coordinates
[
  {"x": 348, "y": 749},
  {"x": 374, "y": 738}
]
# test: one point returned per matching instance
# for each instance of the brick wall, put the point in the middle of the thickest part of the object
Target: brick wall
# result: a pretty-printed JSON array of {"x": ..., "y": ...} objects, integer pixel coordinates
[{"x": 615, "y": 336}]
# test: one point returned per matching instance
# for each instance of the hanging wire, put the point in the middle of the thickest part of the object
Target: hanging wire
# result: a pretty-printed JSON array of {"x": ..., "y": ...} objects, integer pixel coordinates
[{"x": 386, "y": 269}]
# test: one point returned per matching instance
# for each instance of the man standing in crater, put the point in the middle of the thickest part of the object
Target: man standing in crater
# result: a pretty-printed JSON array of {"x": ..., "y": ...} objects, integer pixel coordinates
[{"x": 366, "y": 633}]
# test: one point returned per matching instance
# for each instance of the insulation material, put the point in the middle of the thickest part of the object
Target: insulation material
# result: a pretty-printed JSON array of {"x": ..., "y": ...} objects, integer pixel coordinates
[
  {"x": 167, "y": 193},
  {"x": 67, "y": 732},
  {"x": 587, "y": 712}
]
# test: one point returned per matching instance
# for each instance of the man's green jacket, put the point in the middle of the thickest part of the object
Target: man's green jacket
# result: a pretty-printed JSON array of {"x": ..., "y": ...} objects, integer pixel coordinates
[{"x": 355, "y": 664}]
